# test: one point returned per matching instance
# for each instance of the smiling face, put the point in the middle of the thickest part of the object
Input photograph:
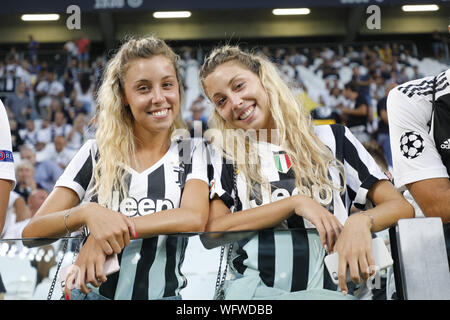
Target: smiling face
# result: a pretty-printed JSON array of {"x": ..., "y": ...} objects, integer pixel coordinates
[
  {"x": 151, "y": 91},
  {"x": 239, "y": 96}
]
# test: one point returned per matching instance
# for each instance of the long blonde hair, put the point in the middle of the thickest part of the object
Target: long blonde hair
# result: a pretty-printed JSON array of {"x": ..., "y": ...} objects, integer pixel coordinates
[
  {"x": 310, "y": 158},
  {"x": 115, "y": 134}
]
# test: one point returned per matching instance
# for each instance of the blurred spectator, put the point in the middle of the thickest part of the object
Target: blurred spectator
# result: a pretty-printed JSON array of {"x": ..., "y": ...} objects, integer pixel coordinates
[
  {"x": 363, "y": 81},
  {"x": 357, "y": 116},
  {"x": 18, "y": 212},
  {"x": 83, "y": 43},
  {"x": 60, "y": 127},
  {"x": 377, "y": 88},
  {"x": 16, "y": 139},
  {"x": 353, "y": 56},
  {"x": 85, "y": 94},
  {"x": 44, "y": 135},
  {"x": 297, "y": 59},
  {"x": 385, "y": 53},
  {"x": 437, "y": 45},
  {"x": 71, "y": 51},
  {"x": 33, "y": 46},
  {"x": 56, "y": 88},
  {"x": 197, "y": 119},
  {"x": 25, "y": 179},
  {"x": 46, "y": 171},
  {"x": 71, "y": 75},
  {"x": 29, "y": 135},
  {"x": 76, "y": 136},
  {"x": 48, "y": 89},
  {"x": 59, "y": 153},
  {"x": 383, "y": 125},
  {"x": 416, "y": 74},
  {"x": 35, "y": 199},
  {"x": 21, "y": 106}
]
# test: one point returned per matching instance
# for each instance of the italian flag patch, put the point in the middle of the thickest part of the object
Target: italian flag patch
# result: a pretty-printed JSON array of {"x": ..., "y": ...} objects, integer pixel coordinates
[{"x": 282, "y": 162}]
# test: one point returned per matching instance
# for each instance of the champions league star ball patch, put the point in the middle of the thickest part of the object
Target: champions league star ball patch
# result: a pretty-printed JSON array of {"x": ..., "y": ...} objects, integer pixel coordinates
[{"x": 411, "y": 144}]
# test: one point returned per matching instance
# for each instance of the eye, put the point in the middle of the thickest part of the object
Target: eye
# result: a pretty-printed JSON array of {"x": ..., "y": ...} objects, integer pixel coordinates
[
  {"x": 143, "y": 88},
  {"x": 167, "y": 85},
  {"x": 239, "y": 85},
  {"x": 220, "y": 102}
]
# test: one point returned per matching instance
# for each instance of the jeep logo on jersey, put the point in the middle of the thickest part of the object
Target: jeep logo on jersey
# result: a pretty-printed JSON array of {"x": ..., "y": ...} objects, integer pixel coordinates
[
  {"x": 323, "y": 195},
  {"x": 446, "y": 144},
  {"x": 132, "y": 207}
]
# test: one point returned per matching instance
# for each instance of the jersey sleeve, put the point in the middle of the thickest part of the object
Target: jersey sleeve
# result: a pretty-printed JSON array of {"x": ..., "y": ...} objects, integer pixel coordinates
[
  {"x": 79, "y": 173},
  {"x": 198, "y": 168},
  {"x": 6, "y": 156},
  {"x": 414, "y": 153},
  {"x": 361, "y": 170},
  {"x": 222, "y": 184}
]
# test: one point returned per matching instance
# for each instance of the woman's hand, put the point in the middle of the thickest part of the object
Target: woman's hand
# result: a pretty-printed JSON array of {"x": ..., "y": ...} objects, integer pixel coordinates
[
  {"x": 111, "y": 229},
  {"x": 88, "y": 268},
  {"x": 354, "y": 247},
  {"x": 327, "y": 225}
]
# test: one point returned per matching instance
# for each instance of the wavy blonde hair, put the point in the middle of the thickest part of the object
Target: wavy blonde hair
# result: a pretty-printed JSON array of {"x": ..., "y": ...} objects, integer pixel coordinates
[
  {"x": 310, "y": 158},
  {"x": 115, "y": 134}
]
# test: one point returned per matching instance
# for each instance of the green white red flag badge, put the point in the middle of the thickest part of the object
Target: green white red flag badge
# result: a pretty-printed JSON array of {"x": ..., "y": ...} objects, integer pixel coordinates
[{"x": 282, "y": 162}]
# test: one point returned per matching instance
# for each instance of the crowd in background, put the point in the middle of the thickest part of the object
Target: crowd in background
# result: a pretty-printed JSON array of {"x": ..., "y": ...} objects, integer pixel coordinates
[{"x": 51, "y": 107}]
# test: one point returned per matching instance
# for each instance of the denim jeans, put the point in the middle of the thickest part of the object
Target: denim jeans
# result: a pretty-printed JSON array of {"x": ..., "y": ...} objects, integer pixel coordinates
[
  {"x": 78, "y": 295},
  {"x": 383, "y": 140}
]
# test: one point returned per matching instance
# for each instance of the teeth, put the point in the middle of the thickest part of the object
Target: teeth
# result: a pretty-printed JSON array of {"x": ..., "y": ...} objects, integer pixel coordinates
[
  {"x": 247, "y": 113},
  {"x": 160, "y": 113}
]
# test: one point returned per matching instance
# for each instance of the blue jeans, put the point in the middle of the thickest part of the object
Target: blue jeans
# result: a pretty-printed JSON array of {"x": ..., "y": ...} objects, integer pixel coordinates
[
  {"x": 78, "y": 295},
  {"x": 383, "y": 140}
]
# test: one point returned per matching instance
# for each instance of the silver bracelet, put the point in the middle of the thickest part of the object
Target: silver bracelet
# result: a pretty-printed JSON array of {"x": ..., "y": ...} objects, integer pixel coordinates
[{"x": 66, "y": 215}]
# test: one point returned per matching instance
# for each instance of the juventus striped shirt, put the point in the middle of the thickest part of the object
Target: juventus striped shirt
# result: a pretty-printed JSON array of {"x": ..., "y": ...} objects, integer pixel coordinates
[
  {"x": 282, "y": 258},
  {"x": 149, "y": 268}
]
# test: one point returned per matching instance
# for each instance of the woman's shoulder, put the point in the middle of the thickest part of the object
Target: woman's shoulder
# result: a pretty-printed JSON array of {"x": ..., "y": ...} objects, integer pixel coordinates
[
  {"x": 330, "y": 133},
  {"x": 90, "y": 146}
]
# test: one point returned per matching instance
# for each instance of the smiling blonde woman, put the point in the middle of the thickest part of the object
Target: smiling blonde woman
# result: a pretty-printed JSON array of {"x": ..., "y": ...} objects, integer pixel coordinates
[{"x": 302, "y": 176}]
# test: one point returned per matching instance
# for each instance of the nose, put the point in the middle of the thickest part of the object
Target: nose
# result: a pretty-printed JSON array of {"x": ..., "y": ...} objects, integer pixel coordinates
[
  {"x": 236, "y": 102},
  {"x": 158, "y": 96}
]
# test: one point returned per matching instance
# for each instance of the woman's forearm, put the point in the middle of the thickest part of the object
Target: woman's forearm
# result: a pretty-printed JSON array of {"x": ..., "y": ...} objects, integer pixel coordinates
[
  {"x": 265, "y": 216},
  {"x": 55, "y": 224},
  {"x": 170, "y": 221},
  {"x": 388, "y": 213}
]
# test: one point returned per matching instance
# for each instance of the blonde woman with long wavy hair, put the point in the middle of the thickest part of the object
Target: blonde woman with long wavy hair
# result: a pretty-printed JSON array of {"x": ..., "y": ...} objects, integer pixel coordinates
[
  {"x": 130, "y": 186},
  {"x": 300, "y": 177}
]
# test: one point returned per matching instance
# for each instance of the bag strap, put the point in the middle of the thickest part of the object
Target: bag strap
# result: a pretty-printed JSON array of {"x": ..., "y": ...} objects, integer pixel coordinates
[
  {"x": 77, "y": 250},
  {"x": 52, "y": 286},
  {"x": 219, "y": 293}
]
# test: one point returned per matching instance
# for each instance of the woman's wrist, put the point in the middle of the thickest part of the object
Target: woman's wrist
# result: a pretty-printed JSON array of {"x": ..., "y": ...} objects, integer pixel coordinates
[
  {"x": 364, "y": 217},
  {"x": 76, "y": 217}
]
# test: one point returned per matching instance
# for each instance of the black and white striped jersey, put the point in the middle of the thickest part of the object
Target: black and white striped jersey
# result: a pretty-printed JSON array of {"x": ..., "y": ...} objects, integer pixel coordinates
[
  {"x": 282, "y": 258},
  {"x": 149, "y": 268},
  {"x": 413, "y": 146}
]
